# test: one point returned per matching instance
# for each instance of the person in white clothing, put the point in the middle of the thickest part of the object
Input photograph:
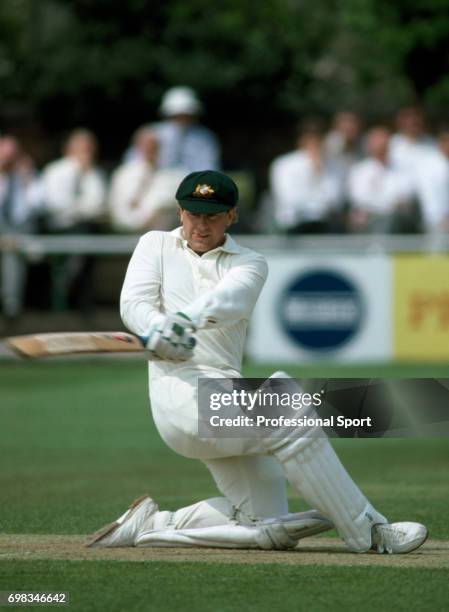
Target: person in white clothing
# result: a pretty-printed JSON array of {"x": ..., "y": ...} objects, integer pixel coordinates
[
  {"x": 343, "y": 143},
  {"x": 74, "y": 192},
  {"x": 377, "y": 191},
  {"x": 432, "y": 185},
  {"x": 141, "y": 196},
  {"x": 410, "y": 141},
  {"x": 74, "y": 188},
  {"x": 189, "y": 294},
  {"x": 183, "y": 142},
  {"x": 305, "y": 187}
]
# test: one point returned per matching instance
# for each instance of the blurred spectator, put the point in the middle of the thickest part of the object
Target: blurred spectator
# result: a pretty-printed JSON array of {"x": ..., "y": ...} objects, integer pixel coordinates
[
  {"x": 20, "y": 199},
  {"x": 305, "y": 187},
  {"x": 343, "y": 143},
  {"x": 411, "y": 140},
  {"x": 74, "y": 188},
  {"x": 432, "y": 184},
  {"x": 183, "y": 142},
  {"x": 141, "y": 196},
  {"x": 380, "y": 195},
  {"x": 74, "y": 197}
]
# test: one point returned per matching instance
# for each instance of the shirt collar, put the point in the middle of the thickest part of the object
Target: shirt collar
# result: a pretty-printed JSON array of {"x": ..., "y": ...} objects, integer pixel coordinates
[{"x": 229, "y": 245}]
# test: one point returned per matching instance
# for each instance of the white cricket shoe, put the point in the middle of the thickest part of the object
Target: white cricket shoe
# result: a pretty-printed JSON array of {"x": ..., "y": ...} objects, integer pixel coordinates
[
  {"x": 125, "y": 530},
  {"x": 398, "y": 538}
]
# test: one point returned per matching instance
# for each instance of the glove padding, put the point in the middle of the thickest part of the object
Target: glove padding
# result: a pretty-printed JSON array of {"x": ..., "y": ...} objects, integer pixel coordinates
[{"x": 171, "y": 338}]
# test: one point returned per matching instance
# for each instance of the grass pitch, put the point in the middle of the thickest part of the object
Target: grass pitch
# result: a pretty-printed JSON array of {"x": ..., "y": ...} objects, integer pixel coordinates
[{"x": 77, "y": 444}]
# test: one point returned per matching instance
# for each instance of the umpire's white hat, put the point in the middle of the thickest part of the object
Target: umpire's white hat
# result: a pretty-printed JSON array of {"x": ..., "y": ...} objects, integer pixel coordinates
[{"x": 180, "y": 101}]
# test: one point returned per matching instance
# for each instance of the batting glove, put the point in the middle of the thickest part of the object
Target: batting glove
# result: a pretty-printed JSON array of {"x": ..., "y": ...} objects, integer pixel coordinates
[
  {"x": 171, "y": 338},
  {"x": 175, "y": 326}
]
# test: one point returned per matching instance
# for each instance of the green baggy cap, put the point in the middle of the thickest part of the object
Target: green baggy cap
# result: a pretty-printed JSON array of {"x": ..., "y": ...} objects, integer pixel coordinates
[{"x": 207, "y": 192}]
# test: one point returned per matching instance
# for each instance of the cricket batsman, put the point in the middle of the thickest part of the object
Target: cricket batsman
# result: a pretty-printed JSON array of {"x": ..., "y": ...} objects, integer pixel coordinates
[{"x": 189, "y": 294}]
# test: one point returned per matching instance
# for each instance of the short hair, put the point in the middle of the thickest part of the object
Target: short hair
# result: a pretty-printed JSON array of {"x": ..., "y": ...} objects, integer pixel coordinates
[{"x": 312, "y": 126}]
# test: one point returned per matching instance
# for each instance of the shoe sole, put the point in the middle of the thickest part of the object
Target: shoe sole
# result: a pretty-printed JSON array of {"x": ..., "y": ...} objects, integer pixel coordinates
[{"x": 96, "y": 538}]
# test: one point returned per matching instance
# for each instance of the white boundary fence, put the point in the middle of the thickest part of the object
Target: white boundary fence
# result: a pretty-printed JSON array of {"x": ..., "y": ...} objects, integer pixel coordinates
[
  {"x": 334, "y": 298},
  {"x": 115, "y": 244}
]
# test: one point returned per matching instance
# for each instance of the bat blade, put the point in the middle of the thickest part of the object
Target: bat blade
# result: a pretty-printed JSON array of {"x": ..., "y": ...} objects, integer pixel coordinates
[{"x": 67, "y": 343}]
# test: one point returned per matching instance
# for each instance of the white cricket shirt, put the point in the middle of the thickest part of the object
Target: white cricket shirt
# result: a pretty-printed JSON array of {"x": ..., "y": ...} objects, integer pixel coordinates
[
  {"x": 300, "y": 191},
  {"x": 378, "y": 188},
  {"x": 71, "y": 195},
  {"x": 432, "y": 183},
  {"x": 217, "y": 291},
  {"x": 138, "y": 192}
]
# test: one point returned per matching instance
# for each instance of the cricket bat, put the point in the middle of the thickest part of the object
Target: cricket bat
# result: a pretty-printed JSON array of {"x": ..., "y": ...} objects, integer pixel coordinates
[{"x": 67, "y": 343}]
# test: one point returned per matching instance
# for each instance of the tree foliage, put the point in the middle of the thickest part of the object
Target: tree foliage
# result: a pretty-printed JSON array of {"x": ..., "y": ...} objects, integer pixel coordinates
[{"x": 102, "y": 59}]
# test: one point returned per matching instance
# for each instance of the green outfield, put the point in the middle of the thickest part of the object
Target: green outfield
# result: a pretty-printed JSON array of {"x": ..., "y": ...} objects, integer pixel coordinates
[{"x": 77, "y": 444}]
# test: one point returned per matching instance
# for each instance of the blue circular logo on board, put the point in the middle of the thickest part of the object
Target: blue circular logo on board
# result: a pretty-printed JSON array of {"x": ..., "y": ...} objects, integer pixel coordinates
[{"x": 321, "y": 310}]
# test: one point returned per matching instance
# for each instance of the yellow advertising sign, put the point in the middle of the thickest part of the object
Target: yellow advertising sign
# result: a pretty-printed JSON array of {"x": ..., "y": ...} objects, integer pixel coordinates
[{"x": 421, "y": 307}]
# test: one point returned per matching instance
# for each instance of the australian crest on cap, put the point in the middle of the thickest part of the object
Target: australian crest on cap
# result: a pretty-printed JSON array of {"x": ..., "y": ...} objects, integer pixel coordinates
[{"x": 203, "y": 191}]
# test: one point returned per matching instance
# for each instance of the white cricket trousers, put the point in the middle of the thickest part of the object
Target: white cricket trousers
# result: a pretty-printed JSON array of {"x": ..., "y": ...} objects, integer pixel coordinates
[{"x": 246, "y": 470}]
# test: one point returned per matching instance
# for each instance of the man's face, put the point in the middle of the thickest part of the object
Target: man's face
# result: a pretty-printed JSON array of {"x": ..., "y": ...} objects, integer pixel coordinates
[
  {"x": 311, "y": 144},
  {"x": 83, "y": 148},
  {"x": 9, "y": 153},
  {"x": 205, "y": 232},
  {"x": 410, "y": 121},
  {"x": 348, "y": 124},
  {"x": 377, "y": 142},
  {"x": 184, "y": 119},
  {"x": 148, "y": 145}
]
